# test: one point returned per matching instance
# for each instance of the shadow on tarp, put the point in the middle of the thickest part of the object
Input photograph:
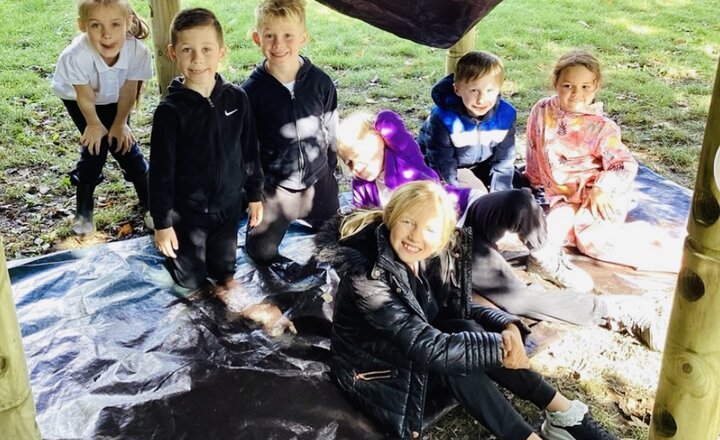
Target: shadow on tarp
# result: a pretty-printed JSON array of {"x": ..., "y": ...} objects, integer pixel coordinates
[
  {"x": 661, "y": 202},
  {"x": 116, "y": 350}
]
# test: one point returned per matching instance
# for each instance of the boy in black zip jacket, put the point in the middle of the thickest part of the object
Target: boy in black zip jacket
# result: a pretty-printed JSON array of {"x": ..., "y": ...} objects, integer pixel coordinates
[
  {"x": 295, "y": 110},
  {"x": 204, "y": 159}
]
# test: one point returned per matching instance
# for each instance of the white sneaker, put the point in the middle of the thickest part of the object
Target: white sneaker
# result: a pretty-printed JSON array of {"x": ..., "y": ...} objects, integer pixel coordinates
[
  {"x": 574, "y": 424},
  {"x": 637, "y": 317},
  {"x": 557, "y": 269},
  {"x": 148, "y": 220}
]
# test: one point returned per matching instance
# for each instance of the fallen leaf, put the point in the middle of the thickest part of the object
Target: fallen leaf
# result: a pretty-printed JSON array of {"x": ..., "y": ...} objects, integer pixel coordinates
[{"x": 124, "y": 230}]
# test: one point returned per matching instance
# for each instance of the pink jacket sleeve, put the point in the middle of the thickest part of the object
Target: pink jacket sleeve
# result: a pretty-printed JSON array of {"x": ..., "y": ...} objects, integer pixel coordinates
[{"x": 619, "y": 165}]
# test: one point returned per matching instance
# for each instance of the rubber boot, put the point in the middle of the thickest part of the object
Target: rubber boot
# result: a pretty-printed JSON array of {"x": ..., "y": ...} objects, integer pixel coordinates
[
  {"x": 83, "y": 222},
  {"x": 142, "y": 190}
]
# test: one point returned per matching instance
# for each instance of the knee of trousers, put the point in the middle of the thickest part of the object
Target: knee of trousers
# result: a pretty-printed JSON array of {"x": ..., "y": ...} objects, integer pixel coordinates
[
  {"x": 530, "y": 219},
  {"x": 260, "y": 251},
  {"x": 75, "y": 179},
  {"x": 138, "y": 171},
  {"x": 522, "y": 200},
  {"x": 189, "y": 278}
]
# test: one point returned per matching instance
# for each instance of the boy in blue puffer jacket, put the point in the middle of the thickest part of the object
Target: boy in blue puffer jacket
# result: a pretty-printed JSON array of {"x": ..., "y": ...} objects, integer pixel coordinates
[{"x": 469, "y": 137}]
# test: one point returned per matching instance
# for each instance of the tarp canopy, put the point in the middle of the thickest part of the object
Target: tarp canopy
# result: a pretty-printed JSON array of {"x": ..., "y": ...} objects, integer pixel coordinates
[
  {"x": 429, "y": 22},
  {"x": 116, "y": 351}
]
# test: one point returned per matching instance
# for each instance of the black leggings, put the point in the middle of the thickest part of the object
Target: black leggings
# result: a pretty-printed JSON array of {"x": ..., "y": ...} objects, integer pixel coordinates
[
  {"x": 88, "y": 170},
  {"x": 479, "y": 395}
]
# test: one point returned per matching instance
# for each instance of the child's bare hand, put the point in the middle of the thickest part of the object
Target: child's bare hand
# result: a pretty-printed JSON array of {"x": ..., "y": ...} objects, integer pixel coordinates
[
  {"x": 601, "y": 205},
  {"x": 270, "y": 318},
  {"x": 515, "y": 356},
  {"x": 255, "y": 210},
  {"x": 122, "y": 134},
  {"x": 166, "y": 241},
  {"x": 92, "y": 138}
]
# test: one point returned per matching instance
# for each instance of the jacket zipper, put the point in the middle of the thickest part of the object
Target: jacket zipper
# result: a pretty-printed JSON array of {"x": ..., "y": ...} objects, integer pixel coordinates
[
  {"x": 374, "y": 375},
  {"x": 301, "y": 158},
  {"x": 212, "y": 183}
]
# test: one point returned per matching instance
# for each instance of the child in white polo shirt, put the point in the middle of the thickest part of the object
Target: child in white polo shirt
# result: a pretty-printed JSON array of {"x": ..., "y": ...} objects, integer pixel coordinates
[{"x": 99, "y": 78}]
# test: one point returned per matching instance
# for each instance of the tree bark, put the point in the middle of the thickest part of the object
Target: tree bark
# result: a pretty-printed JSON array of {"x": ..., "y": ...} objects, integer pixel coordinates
[
  {"x": 162, "y": 13},
  {"x": 17, "y": 407},
  {"x": 687, "y": 403},
  {"x": 463, "y": 46}
]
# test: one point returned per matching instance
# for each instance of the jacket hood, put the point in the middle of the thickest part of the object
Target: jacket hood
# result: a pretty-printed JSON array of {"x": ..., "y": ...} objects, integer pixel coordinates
[
  {"x": 354, "y": 254},
  {"x": 444, "y": 96},
  {"x": 260, "y": 73},
  {"x": 178, "y": 90}
]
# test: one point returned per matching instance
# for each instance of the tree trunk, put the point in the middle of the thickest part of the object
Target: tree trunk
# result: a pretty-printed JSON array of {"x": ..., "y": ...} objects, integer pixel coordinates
[
  {"x": 463, "y": 46},
  {"x": 162, "y": 13},
  {"x": 687, "y": 404},
  {"x": 17, "y": 407}
]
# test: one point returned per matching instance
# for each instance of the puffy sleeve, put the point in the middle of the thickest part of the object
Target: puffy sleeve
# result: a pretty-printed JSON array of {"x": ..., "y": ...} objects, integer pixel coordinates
[
  {"x": 439, "y": 148},
  {"x": 450, "y": 353},
  {"x": 619, "y": 165}
]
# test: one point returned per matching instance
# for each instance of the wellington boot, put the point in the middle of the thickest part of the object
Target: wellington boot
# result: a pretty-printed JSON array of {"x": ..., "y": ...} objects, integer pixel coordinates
[
  {"x": 142, "y": 190},
  {"x": 83, "y": 222}
]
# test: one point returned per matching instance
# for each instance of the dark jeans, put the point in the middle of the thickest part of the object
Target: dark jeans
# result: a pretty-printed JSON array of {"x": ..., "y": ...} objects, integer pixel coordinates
[
  {"x": 480, "y": 396},
  {"x": 88, "y": 170},
  {"x": 207, "y": 246},
  {"x": 490, "y": 217},
  {"x": 282, "y": 206}
]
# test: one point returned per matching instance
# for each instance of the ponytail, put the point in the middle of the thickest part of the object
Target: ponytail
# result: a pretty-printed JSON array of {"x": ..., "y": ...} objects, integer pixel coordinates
[
  {"x": 138, "y": 27},
  {"x": 357, "y": 220}
]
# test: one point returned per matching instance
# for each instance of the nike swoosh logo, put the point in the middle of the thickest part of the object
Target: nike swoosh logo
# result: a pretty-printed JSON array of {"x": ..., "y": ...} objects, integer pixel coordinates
[{"x": 228, "y": 113}]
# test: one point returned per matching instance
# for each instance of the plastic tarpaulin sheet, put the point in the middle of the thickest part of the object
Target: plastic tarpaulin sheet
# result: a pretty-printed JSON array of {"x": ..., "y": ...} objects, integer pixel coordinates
[
  {"x": 429, "y": 22},
  {"x": 116, "y": 351}
]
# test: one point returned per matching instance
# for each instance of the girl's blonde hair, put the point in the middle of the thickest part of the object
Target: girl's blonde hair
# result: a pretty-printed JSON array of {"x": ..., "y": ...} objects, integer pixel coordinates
[
  {"x": 351, "y": 129},
  {"x": 410, "y": 197},
  {"x": 577, "y": 57},
  {"x": 138, "y": 27}
]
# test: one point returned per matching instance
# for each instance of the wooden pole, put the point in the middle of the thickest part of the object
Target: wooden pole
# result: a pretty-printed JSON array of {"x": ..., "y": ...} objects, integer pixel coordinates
[
  {"x": 687, "y": 403},
  {"x": 17, "y": 407},
  {"x": 463, "y": 46},
  {"x": 162, "y": 13}
]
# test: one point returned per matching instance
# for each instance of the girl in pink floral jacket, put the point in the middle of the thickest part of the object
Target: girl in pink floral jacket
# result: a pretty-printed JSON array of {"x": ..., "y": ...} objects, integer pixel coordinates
[{"x": 574, "y": 152}]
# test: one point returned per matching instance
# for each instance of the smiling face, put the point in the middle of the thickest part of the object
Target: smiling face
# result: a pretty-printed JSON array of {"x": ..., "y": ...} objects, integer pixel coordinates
[
  {"x": 576, "y": 87},
  {"x": 417, "y": 234},
  {"x": 365, "y": 156},
  {"x": 198, "y": 53},
  {"x": 280, "y": 40},
  {"x": 478, "y": 95},
  {"x": 106, "y": 27}
]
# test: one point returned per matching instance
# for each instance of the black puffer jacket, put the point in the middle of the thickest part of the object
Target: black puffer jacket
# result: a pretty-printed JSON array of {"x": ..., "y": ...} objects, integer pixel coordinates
[{"x": 383, "y": 345}]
